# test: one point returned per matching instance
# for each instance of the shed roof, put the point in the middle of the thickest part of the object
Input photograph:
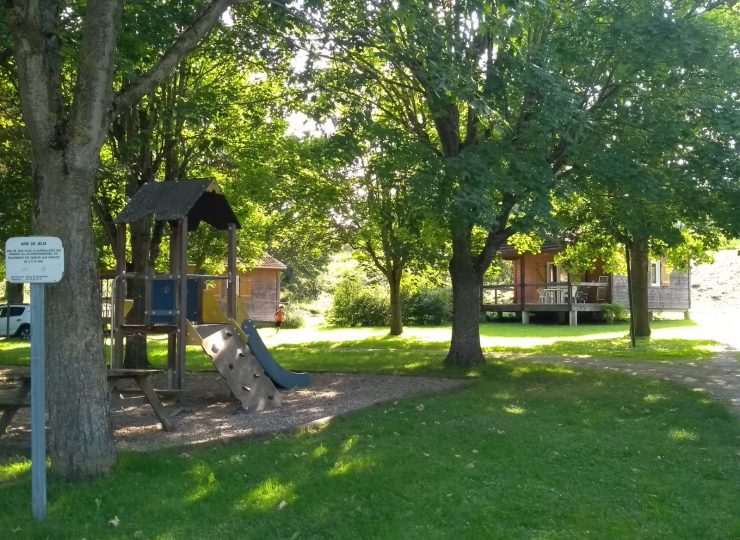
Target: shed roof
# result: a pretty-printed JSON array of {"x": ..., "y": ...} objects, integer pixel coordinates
[
  {"x": 270, "y": 262},
  {"x": 198, "y": 199}
]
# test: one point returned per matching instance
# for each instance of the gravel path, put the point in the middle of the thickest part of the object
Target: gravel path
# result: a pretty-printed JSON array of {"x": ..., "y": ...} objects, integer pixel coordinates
[{"x": 209, "y": 414}]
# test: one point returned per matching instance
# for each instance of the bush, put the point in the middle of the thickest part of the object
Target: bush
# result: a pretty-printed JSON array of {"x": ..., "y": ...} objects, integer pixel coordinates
[
  {"x": 294, "y": 318},
  {"x": 357, "y": 304},
  {"x": 427, "y": 306},
  {"x": 615, "y": 313}
]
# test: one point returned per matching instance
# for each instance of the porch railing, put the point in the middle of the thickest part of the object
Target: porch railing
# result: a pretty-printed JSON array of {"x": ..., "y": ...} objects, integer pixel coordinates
[{"x": 546, "y": 293}]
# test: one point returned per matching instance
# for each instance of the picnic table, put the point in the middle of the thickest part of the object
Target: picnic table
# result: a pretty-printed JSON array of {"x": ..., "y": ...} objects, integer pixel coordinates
[
  {"x": 15, "y": 386},
  {"x": 13, "y": 396}
]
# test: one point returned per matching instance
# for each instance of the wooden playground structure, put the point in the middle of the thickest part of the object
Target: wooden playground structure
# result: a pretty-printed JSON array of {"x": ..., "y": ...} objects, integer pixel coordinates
[{"x": 175, "y": 303}]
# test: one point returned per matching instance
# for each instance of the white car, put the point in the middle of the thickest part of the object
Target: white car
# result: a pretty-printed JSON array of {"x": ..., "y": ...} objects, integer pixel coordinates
[{"x": 18, "y": 324}]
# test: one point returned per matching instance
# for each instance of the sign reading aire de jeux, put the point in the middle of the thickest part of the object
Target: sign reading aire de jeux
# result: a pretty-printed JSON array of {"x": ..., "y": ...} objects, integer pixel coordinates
[{"x": 34, "y": 259}]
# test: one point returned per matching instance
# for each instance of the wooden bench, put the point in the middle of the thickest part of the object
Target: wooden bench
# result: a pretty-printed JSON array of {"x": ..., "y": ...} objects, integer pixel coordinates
[
  {"x": 16, "y": 387},
  {"x": 14, "y": 397}
]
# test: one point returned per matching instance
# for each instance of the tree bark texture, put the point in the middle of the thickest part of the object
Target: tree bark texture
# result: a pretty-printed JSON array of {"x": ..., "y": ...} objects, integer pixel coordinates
[
  {"x": 394, "y": 281},
  {"x": 465, "y": 350},
  {"x": 639, "y": 274},
  {"x": 14, "y": 292},
  {"x": 80, "y": 436}
]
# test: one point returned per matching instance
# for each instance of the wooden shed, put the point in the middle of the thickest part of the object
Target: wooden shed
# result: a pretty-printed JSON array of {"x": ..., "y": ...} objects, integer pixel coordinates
[{"x": 258, "y": 290}]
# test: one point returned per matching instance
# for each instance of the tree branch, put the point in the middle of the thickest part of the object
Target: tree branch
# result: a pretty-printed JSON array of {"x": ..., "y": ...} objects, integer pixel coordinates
[
  {"x": 38, "y": 59},
  {"x": 89, "y": 114},
  {"x": 185, "y": 44}
]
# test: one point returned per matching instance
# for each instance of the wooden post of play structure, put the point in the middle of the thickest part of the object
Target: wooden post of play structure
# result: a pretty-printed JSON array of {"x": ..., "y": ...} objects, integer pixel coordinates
[
  {"x": 119, "y": 299},
  {"x": 182, "y": 299},
  {"x": 231, "y": 286},
  {"x": 172, "y": 376}
]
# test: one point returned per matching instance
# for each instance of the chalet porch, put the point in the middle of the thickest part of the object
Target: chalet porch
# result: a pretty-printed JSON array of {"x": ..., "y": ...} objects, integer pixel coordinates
[{"x": 569, "y": 297}]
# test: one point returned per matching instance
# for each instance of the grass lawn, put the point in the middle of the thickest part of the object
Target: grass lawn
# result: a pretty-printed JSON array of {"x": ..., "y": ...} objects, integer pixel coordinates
[
  {"x": 421, "y": 349},
  {"x": 529, "y": 451},
  {"x": 418, "y": 350}
]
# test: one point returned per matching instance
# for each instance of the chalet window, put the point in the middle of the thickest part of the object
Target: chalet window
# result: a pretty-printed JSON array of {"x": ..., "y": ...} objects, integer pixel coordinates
[
  {"x": 654, "y": 274},
  {"x": 555, "y": 274}
]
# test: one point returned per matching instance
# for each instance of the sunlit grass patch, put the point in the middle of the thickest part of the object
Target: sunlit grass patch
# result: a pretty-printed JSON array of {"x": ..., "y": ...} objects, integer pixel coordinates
[
  {"x": 205, "y": 482},
  {"x": 14, "y": 352},
  {"x": 648, "y": 349},
  {"x": 513, "y": 408},
  {"x": 268, "y": 495},
  {"x": 14, "y": 468},
  {"x": 350, "y": 465},
  {"x": 678, "y": 434}
]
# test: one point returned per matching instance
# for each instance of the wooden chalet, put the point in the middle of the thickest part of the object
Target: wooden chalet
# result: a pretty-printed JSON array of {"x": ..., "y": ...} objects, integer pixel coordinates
[{"x": 540, "y": 286}]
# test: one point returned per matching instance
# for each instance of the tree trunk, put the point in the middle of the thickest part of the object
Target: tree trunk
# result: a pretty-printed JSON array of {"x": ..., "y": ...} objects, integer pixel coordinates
[
  {"x": 80, "y": 436},
  {"x": 394, "y": 281},
  {"x": 66, "y": 147},
  {"x": 14, "y": 292},
  {"x": 465, "y": 349},
  {"x": 136, "y": 356},
  {"x": 639, "y": 275}
]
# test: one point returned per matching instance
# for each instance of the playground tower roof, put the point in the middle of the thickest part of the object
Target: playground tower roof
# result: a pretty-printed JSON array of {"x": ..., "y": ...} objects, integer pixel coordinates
[{"x": 198, "y": 199}]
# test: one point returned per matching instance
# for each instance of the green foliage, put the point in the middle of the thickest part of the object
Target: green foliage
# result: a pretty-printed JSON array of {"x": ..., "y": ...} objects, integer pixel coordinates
[
  {"x": 730, "y": 243},
  {"x": 427, "y": 306},
  {"x": 500, "y": 272},
  {"x": 295, "y": 317},
  {"x": 615, "y": 313},
  {"x": 697, "y": 249},
  {"x": 356, "y": 304},
  {"x": 526, "y": 243},
  {"x": 590, "y": 248}
]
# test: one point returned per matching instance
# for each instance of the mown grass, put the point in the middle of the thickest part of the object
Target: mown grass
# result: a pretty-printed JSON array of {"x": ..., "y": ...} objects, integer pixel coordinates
[
  {"x": 528, "y": 451},
  {"x": 421, "y": 350},
  {"x": 646, "y": 350}
]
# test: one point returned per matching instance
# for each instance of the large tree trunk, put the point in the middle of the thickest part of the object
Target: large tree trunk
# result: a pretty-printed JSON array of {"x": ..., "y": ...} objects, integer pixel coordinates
[
  {"x": 465, "y": 349},
  {"x": 394, "y": 282},
  {"x": 80, "y": 436},
  {"x": 14, "y": 292},
  {"x": 639, "y": 277},
  {"x": 65, "y": 149}
]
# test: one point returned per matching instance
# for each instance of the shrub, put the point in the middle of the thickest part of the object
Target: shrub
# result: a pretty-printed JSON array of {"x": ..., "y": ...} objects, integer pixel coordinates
[
  {"x": 294, "y": 318},
  {"x": 357, "y": 304},
  {"x": 615, "y": 313},
  {"x": 427, "y": 306}
]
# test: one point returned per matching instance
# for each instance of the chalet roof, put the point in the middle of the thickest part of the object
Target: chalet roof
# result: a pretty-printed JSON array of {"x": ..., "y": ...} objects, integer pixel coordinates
[
  {"x": 198, "y": 199},
  {"x": 270, "y": 262}
]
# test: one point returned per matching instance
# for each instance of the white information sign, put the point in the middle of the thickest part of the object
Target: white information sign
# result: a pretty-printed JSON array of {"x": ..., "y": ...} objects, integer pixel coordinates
[{"x": 34, "y": 259}]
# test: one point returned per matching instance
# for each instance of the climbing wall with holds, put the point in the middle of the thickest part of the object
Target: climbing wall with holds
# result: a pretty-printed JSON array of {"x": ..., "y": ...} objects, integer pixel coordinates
[{"x": 227, "y": 347}]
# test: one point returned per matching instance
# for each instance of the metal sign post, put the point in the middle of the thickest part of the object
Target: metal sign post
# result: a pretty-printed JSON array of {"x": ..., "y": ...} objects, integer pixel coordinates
[{"x": 36, "y": 260}]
